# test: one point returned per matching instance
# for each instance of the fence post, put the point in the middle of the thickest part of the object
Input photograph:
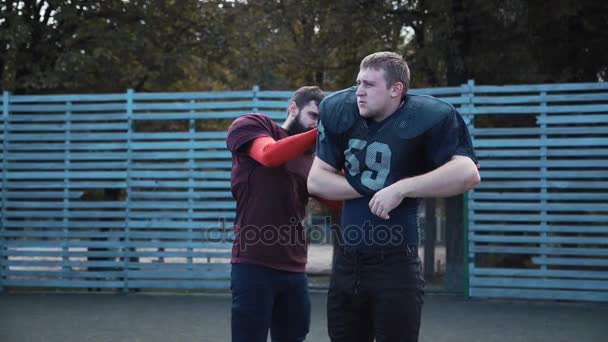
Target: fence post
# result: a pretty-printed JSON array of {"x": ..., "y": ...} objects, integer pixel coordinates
[
  {"x": 469, "y": 259},
  {"x": 543, "y": 175},
  {"x": 256, "y": 90},
  {"x": 127, "y": 242},
  {"x": 5, "y": 112},
  {"x": 456, "y": 260},
  {"x": 191, "y": 171},
  {"x": 66, "y": 191},
  {"x": 430, "y": 237}
]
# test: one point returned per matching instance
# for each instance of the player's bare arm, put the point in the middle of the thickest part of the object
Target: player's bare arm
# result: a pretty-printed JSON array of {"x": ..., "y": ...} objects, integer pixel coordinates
[
  {"x": 452, "y": 178},
  {"x": 326, "y": 182}
]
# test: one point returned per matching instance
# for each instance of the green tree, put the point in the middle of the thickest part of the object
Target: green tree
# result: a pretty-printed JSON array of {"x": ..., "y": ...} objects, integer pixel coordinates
[
  {"x": 286, "y": 43},
  {"x": 514, "y": 41},
  {"x": 169, "y": 45},
  {"x": 101, "y": 46}
]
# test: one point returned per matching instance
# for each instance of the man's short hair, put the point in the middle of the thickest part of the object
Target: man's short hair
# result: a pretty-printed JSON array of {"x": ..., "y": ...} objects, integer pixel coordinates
[
  {"x": 394, "y": 66},
  {"x": 304, "y": 95}
]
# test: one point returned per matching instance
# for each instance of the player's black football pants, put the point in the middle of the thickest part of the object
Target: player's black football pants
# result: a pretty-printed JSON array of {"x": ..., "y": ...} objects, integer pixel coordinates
[{"x": 375, "y": 295}]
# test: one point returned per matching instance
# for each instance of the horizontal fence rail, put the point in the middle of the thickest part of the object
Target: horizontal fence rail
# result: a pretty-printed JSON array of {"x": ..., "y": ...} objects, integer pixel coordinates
[{"x": 132, "y": 190}]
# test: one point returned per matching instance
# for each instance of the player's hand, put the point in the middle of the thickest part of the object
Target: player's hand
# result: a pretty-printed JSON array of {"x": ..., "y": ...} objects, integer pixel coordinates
[{"x": 384, "y": 201}]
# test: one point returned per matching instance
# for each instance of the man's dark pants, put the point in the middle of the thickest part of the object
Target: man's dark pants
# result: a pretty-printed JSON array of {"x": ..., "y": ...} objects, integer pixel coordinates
[
  {"x": 375, "y": 294},
  {"x": 265, "y": 298}
]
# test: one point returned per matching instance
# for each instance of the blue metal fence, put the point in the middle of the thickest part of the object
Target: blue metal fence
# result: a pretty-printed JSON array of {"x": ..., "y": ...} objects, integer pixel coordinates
[
  {"x": 161, "y": 158},
  {"x": 541, "y": 212}
]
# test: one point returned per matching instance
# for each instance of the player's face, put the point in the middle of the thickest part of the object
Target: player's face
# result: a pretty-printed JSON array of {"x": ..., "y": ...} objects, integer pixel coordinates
[
  {"x": 373, "y": 93},
  {"x": 307, "y": 118}
]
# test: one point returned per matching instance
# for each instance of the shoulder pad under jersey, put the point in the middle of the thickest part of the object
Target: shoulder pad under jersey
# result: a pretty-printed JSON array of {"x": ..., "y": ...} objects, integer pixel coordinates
[
  {"x": 339, "y": 111},
  {"x": 420, "y": 113}
]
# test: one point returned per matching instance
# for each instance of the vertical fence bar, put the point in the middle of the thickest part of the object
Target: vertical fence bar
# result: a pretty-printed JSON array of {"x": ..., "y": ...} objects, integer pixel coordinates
[
  {"x": 191, "y": 170},
  {"x": 256, "y": 91},
  {"x": 543, "y": 174},
  {"x": 5, "y": 113},
  {"x": 127, "y": 250},
  {"x": 455, "y": 235},
  {"x": 469, "y": 257},
  {"x": 430, "y": 237},
  {"x": 65, "y": 250}
]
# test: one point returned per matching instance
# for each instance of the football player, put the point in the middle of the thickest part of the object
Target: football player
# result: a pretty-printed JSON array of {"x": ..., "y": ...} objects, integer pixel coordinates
[{"x": 395, "y": 148}]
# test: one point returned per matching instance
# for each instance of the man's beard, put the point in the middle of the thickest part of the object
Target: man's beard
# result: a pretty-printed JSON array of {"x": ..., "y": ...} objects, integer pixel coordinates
[{"x": 296, "y": 126}]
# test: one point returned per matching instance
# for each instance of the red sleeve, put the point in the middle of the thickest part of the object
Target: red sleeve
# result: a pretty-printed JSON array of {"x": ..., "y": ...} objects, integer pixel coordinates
[{"x": 272, "y": 153}]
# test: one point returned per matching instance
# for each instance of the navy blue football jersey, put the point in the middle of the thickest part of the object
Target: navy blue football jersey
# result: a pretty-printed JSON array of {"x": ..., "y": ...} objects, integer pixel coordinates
[{"x": 423, "y": 134}]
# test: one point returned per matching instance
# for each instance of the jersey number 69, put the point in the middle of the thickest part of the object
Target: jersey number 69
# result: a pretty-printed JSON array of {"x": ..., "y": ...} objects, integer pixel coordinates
[{"x": 377, "y": 162}]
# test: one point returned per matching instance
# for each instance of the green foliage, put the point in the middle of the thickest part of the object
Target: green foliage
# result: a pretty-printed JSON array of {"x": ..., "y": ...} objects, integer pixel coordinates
[
  {"x": 188, "y": 45},
  {"x": 513, "y": 41},
  {"x": 104, "y": 46}
]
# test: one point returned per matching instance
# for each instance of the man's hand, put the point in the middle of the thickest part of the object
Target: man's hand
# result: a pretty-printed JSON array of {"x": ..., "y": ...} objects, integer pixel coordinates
[
  {"x": 452, "y": 178},
  {"x": 384, "y": 201}
]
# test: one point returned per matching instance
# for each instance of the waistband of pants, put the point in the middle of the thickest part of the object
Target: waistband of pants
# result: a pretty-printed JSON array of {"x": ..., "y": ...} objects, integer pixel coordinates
[{"x": 407, "y": 250}]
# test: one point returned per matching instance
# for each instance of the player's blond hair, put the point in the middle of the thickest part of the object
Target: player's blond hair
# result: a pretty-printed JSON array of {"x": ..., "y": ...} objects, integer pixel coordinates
[{"x": 394, "y": 66}]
